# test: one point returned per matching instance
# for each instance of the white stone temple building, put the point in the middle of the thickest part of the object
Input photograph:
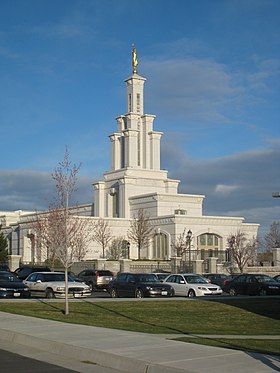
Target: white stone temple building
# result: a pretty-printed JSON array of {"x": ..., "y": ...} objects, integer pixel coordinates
[{"x": 136, "y": 181}]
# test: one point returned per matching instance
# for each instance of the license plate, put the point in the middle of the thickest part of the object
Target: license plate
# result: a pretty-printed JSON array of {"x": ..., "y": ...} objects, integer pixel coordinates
[
  {"x": 77, "y": 295},
  {"x": 16, "y": 294},
  {"x": 164, "y": 293}
]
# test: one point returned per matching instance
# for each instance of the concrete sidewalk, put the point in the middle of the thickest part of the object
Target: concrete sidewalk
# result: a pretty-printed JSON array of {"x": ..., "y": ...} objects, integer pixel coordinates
[{"x": 85, "y": 347}]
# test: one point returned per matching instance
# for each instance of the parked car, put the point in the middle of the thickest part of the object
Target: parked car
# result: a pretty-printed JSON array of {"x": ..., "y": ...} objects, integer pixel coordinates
[
  {"x": 4, "y": 267},
  {"x": 52, "y": 285},
  {"x": 191, "y": 285},
  {"x": 96, "y": 279},
  {"x": 74, "y": 276},
  {"x": 138, "y": 285},
  {"x": 216, "y": 278},
  {"x": 253, "y": 284},
  {"x": 277, "y": 278},
  {"x": 25, "y": 270},
  {"x": 12, "y": 287}
]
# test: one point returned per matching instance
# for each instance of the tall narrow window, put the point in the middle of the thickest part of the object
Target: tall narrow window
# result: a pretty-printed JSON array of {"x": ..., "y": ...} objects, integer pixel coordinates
[
  {"x": 116, "y": 205},
  {"x": 122, "y": 153},
  {"x": 129, "y": 103},
  {"x": 138, "y": 102},
  {"x": 160, "y": 246}
]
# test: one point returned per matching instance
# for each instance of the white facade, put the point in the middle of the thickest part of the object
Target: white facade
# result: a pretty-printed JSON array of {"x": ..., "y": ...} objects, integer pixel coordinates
[{"x": 135, "y": 181}]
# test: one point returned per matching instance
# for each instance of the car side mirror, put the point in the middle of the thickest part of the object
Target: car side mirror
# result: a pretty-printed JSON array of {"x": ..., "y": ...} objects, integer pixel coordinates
[
  {"x": 182, "y": 281},
  {"x": 39, "y": 281}
]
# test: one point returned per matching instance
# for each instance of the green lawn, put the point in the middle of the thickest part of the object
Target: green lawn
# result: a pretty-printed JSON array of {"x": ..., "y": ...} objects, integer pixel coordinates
[{"x": 253, "y": 316}]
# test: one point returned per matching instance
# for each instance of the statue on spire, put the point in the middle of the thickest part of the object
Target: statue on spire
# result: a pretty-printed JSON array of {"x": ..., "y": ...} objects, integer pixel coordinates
[{"x": 134, "y": 60}]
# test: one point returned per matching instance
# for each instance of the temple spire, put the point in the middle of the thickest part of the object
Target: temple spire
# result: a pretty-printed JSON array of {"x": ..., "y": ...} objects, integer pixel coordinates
[{"x": 134, "y": 60}]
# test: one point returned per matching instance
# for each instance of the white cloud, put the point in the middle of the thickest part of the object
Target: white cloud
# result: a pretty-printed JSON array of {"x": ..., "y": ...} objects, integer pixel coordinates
[
  {"x": 226, "y": 189},
  {"x": 238, "y": 185}
]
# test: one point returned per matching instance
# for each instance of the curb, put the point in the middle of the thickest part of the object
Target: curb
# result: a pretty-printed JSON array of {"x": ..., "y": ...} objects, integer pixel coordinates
[{"x": 83, "y": 354}]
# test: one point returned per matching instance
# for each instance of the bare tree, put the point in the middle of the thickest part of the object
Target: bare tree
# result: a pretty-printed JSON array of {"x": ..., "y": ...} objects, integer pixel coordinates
[
  {"x": 272, "y": 239},
  {"x": 179, "y": 245},
  {"x": 46, "y": 233},
  {"x": 140, "y": 230},
  {"x": 117, "y": 248},
  {"x": 241, "y": 250},
  {"x": 62, "y": 234},
  {"x": 3, "y": 247},
  {"x": 103, "y": 234}
]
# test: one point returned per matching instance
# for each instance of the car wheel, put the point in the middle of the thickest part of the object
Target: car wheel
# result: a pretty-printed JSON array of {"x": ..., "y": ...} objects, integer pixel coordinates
[
  {"x": 50, "y": 294},
  {"x": 232, "y": 292},
  {"x": 191, "y": 293},
  {"x": 263, "y": 292},
  {"x": 114, "y": 293},
  {"x": 139, "y": 293}
]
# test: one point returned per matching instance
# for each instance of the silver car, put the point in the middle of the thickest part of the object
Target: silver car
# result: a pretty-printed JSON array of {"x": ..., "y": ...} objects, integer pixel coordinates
[
  {"x": 52, "y": 285},
  {"x": 192, "y": 285}
]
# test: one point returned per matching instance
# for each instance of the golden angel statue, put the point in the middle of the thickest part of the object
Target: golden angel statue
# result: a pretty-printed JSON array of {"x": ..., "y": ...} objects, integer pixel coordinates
[{"x": 134, "y": 60}]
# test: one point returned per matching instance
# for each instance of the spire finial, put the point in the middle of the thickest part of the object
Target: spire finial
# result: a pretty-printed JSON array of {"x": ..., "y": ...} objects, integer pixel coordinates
[{"x": 134, "y": 59}]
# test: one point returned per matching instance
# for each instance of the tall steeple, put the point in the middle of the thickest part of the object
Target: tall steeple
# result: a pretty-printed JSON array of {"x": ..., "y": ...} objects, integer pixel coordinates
[
  {"x": 135, "y": 156},
  {"x": 136, "y": 145}
]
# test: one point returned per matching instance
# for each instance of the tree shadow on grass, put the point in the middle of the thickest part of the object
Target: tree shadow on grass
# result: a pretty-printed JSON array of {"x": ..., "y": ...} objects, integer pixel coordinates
[
  {"x": 268, "y": 306},
  {"x": 166, "y": 329},
  {"x": 271, "y": 361},
  {"x": 51, "y": 305}
]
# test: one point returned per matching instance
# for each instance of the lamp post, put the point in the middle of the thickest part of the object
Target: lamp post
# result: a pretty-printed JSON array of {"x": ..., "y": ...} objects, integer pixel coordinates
[
  {"x": 127, "y": 249},
  {"x": 188, "y": 246}
]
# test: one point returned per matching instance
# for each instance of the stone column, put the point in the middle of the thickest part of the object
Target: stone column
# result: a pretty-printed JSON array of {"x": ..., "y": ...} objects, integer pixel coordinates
[
  {"x": 197, "y": 266},
  {"x": 125, "y": 265},
  {"x": 212, "y": 264},
  {"x": 175, "y": 263},
  {"x": 276, "y": 256},
  {"x": 13, "y": 261},
  {"x": 100, "y": 264}
]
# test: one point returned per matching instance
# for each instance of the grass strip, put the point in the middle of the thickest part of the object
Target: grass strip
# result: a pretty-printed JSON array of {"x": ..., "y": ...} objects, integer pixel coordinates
[{"x": 256, "y": 316}]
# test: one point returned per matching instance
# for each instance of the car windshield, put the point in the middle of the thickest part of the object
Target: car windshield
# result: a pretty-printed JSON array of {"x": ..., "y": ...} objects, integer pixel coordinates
[
  {"x": 56, "y": 277},
  {"x": 146, "y": 278},
  {"x": 105, "y": 273},
  {"x": 264, "y": 278},
  {"x": 192, "y": 279},
  {"x": 8, "y": 277}
]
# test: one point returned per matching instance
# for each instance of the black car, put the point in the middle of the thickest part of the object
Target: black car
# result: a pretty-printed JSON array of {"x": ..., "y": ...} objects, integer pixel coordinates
[
  {"x": 253, "y": 284},
  {"x": 4, "y": 267},
  {"x": 216, "y": 278},
  {"x": 96, "y": 279},
  {"x": 138, "y": 285},
  {"x": 26, "y": 270},
  {"x": 12, "y": 287}
]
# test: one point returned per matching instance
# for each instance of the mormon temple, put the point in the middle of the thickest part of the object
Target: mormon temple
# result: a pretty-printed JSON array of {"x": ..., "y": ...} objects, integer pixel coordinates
[{"x": 136, "y": 181}]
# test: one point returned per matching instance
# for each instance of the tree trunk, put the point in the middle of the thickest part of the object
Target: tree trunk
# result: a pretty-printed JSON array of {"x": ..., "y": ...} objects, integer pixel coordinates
[{"x": 66, "y": 292}]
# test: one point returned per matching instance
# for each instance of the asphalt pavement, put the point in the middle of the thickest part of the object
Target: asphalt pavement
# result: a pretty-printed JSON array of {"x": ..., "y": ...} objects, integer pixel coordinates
[{"x": 87, "y": 349}]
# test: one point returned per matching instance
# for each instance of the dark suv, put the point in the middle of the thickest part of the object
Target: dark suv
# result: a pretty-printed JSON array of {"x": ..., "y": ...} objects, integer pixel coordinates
[
  {"x": 24, "y": 271},
  {"x": 96, "y": 279},
  {"x": 217, "y": 279}
]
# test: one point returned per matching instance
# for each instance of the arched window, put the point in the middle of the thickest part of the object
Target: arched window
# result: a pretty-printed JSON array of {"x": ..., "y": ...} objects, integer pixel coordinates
[
  {"x": 209, "y": 245},
  {"x": 160, "y": 246}
]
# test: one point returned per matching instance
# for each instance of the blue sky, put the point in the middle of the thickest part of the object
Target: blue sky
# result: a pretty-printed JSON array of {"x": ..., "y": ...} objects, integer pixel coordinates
[{"x": 212, "y": 70}]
